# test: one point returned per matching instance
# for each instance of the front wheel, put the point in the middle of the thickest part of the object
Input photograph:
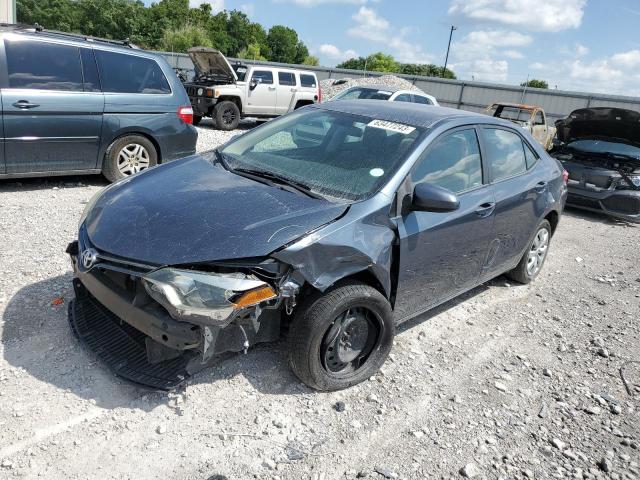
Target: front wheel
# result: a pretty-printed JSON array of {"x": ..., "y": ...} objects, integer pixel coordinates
[
  {"x": 535, "y": 256},
  {"x": 341, "y": 338},
  {"x": 226, "y": 115}
]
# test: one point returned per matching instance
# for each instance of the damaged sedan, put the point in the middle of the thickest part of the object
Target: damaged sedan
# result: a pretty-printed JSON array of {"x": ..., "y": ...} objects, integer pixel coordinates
[
  {"x": 600, "y": 148},
  {"x": 330, "y": 225}
]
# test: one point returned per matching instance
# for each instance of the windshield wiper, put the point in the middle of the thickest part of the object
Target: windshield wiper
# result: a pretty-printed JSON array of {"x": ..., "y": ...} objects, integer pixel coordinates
[
  {"x": 222, "y": 160},
  {"x": 279, "y": 179}
]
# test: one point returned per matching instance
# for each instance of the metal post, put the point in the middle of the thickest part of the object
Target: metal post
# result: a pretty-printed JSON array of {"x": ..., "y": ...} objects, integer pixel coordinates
[{"x": 446, "y": 59}]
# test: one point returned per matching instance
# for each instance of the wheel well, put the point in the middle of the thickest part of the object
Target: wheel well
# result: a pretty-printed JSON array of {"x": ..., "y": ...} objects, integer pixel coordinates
[
  {"x": 302, "y": 103},
  {"x": 553, "y": 218},
  {"x": 366, "y": 277},
  {"x": 233, "y": 99}
]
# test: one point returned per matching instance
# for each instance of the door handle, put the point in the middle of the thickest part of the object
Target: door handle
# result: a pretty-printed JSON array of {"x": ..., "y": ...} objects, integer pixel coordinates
[
  {"x": 272, "y": 88},
  {"x": 294, "y": 89},
  {"x": 485, "y": 209},
  {"x": 540, "y": 187},
  {"x": 25, "y": 104}
]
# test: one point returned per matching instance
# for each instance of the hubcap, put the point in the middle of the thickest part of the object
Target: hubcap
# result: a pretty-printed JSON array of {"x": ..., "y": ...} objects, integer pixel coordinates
[
  {"x": 132, "y": 159},
  {"x": 538, "y": 252},
  {"x": 228, "y": 116},
  {"x": 349, "y": 341}
]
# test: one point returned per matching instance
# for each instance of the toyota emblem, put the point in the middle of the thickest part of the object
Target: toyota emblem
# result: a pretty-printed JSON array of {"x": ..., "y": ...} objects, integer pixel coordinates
[{"x": 89, "y": 258}]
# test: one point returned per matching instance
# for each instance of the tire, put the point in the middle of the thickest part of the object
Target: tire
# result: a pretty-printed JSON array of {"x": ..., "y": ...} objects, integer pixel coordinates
[
  {"x": 197, "y": 119},
  {"x": 317, "y": 329},
  {"x": 523, "y": 273},
  {"x": 226, "y": 115},
  {"x": 122, "y": 150}
]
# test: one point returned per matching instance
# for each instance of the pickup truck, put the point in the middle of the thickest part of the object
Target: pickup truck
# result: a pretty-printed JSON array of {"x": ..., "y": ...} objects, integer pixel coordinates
[
  {"x": 529, "y": 117},
  {"x": 228, "y": 94}
]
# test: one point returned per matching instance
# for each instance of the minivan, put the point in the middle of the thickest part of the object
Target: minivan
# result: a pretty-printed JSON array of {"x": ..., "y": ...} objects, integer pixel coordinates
[{"x": 73, "y": 104}]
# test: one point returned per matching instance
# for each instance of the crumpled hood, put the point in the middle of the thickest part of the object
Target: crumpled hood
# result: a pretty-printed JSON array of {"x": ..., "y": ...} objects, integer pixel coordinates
[
  {"x": 193, "y": 210},
  {"x": 618, "y": 124},
  {"x": 211, "y": 61}
]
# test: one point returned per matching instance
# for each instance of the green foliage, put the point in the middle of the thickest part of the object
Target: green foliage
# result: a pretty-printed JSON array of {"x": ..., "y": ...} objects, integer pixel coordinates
[
  {"x": 311, "y": 60},
  {"x": 167, "y": 25},
  {"x": 534, "y": 83},
  {"x": 380, "y": 62},
  {"x": 181, "y": 39}
]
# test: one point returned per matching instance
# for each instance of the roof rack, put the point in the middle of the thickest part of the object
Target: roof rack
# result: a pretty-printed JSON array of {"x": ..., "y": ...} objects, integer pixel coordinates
[{"x": 36, "y": 28}]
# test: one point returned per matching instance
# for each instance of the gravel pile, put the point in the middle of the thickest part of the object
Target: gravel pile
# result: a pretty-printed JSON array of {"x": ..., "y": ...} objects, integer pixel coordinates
[{"x": 329, "y": 89}]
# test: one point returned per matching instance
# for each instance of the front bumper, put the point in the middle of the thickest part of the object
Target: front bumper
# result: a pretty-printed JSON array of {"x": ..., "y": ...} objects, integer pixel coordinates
[
  {"x": 202, "y": 105},
  {"x": 623, "y": 204}
]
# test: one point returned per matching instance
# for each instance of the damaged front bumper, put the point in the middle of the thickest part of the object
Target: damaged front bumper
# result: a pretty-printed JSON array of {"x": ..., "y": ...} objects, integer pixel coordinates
[{"x": 174, "y": 314}]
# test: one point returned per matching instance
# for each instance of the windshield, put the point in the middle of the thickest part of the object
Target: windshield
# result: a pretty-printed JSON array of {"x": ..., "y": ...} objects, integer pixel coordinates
[
  {"x": 513, "y": 114},
  {"x": 360, "y": 93},
  {"x": 335, "y": 154},
  {"x": 602, "y": 146}
]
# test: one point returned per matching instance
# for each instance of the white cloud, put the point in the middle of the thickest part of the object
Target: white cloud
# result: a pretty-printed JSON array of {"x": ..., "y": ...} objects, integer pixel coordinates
[
  {"x": 513, "y": 54},
  {"x": 630, "y": 59},
  {"x": 216, "y": 5},
  {"x": 248, "y": 9},
  {"x": 535, "y": 15},
  {"x": 315, "y": 3},
  {"x": 581, "y": 50},
  {"x": 335, "y": 53},
  {"x": 484, "y": 70},
  {"x": 375, "y": 28}
]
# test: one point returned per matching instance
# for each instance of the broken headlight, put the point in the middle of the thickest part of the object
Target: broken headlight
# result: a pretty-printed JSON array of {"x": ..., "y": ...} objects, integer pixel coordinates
[
  {"x": 635, "y": 179},
  {"x": 206, "y": 298}
]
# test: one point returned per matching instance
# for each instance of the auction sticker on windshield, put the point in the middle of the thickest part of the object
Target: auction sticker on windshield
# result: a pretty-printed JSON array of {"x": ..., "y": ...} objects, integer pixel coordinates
[{"x": 392, "y": 126}]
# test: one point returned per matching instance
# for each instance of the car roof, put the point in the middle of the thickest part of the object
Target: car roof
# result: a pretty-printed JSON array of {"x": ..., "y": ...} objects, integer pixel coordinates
[
  {"x": 414, "y": 114},
  {"x": 521, "y": 106},
  {"x": 386, "y": 88}
]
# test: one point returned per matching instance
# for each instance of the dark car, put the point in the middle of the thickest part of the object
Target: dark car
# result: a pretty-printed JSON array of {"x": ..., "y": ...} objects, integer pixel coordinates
[
  {"x": 600, "y": 148},
  {"x": 337, "y": 221},
  {"x": 78, "y": 105}
]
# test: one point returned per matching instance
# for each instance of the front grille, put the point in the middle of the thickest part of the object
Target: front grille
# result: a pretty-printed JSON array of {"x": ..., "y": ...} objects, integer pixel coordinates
[
  {"x": 121, "y": 346},
  {"x": 622, "y": 204}
]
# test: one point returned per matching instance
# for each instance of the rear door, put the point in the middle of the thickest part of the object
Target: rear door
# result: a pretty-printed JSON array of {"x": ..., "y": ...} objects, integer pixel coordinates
[
  {"x": 52, "y": 117},
  {"x": 442, "y": 254},
  {"x": 287, "y": 88},
  {"x": 262, "y": 99}
]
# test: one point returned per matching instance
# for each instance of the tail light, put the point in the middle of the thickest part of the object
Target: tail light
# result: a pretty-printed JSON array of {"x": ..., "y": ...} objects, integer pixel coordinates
[
  {"x": 319, "y": 93},
  {"x": 186, "y": 115},
  {"x": 565, "y": 176}
]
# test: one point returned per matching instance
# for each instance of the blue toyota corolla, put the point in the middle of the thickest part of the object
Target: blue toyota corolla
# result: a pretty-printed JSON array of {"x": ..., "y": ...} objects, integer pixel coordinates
[{"x": 334, "y": 224}]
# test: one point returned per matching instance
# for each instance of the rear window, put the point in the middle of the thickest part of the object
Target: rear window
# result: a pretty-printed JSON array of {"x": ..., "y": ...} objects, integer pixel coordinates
[
  {"x": 122, "y": 73},
  {"x": 422, "y": 100},
  {"x": 308, "y": 81},
  {"x": 505, "y": 153},
  {"x": 43, "y": 66},
  {"x": 286, "y": 78}
]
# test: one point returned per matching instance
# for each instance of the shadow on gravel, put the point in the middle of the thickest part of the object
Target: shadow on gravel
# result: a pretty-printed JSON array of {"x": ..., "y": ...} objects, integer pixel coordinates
[
  {"x": 245, "y": 124},
  {"x": 36, "y": 337},
  {"x": 47, "y": 183},
  {"x": 595, "y": 217}
]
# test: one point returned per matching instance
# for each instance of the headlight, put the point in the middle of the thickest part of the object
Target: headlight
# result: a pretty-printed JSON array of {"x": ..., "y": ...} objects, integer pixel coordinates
[
  {"x": 207, "y": 298},
  {"x": 200, "y": 92},
  {"x": 635, "y": 179}
]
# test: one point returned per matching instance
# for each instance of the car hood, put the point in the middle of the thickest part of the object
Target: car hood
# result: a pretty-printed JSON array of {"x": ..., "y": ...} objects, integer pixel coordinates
[
  {"x": 603, "y": 123},
  {"x": 193, "y": 210},
  {"x": 211, "y": 61}
]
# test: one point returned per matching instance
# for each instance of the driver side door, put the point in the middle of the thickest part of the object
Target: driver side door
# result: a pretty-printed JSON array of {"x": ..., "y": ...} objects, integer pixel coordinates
[
  {"x": 261, "y": 99},
  {"x": 442, "y": 254}
]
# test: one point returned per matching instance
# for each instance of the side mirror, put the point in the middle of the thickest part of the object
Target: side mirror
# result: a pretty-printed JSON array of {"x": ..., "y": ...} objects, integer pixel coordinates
[
  {"x": 254, "y": 83},
  {"x": 432, "y": 198}
]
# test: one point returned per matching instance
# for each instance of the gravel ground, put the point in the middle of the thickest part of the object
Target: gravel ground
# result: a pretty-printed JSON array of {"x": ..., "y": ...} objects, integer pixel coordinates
[{"x": 505, "y": 382}]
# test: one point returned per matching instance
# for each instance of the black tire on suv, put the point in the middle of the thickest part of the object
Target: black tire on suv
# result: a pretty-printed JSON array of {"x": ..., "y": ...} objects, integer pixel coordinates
[
  {"x": 128, "y": 155},
  {"x": 226, "y": 115}
]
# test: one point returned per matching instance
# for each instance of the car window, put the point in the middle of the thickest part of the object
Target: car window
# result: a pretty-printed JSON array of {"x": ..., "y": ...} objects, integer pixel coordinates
[
  {"x": 422, "y": 100},
  {"x": 453, "y": 162},
  {"x": 286, "y": 78},
  {"x": 362, "y": 93},
  {"x": 44, "y": 66},
  {"x": 337, "y": 154},
  {"x": 504, "y": 152},
  {"x": 530, "y": 156},
  {"x": 122, "y": 73},
  {"x": 241, "y": 71},
  {"x": 539, "y": 120},
  {"x": 89, "y": 71},
  {"x": 403, "y": 97},
  {"x": 265, "y": 76},
  {"x": 308, "y": 80}
]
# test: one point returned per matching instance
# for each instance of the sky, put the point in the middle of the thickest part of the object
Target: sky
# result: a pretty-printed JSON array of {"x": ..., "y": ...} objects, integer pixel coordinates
[{"x": 579, "y": 45}]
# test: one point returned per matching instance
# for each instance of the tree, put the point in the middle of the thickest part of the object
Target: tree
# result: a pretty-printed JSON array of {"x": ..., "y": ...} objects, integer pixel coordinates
[
  {"x": 283, "y": 44},
  {"x": 252, "y": 52},
  {"x": 534, "y": 83},
  {"x": 425, "y": 70},
  {"x": 311, "y": 60},
  {"x": 181, "y": 39},
  {"x": 353, "y": 63}
]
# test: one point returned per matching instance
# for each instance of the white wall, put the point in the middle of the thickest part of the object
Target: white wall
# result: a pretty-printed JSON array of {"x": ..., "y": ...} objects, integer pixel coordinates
[{"x": 7, "y": 11}]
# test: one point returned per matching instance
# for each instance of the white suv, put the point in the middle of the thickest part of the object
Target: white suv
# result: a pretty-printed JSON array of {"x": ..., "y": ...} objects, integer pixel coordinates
[
  {"x": 228, "y": 94},
  {"x": 384, "y": 92}
]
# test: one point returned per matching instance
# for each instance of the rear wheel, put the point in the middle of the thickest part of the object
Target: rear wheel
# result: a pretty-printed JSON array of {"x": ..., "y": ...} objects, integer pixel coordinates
[
  {"x": 535, "y": 256},
  {"x": 128, "y": 155},
  {"x": 341, "y": 338},
  {"x": 227, "y": 115},
  {"x": 197, "y": 119}
]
